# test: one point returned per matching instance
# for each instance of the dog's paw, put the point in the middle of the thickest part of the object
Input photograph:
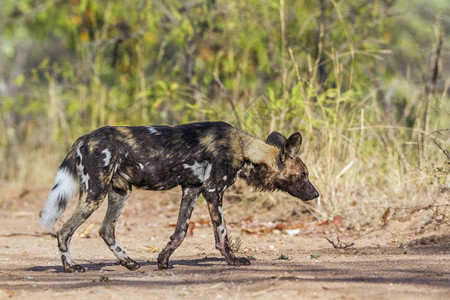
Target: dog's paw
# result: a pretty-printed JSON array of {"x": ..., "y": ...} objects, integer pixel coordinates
[
  {"x": 163, "y": 261},
  {"x": 130, "y": 264},
  {"x": 163, "y": 265},
  {"x": 74, "y": 269}
]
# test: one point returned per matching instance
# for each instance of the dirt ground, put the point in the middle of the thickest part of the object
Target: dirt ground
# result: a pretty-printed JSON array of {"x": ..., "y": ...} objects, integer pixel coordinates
[{"x": 291, "y": 258}]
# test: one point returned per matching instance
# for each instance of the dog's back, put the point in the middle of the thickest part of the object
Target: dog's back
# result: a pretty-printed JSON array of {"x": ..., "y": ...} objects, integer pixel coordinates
[{"x": 162, "y": 157}]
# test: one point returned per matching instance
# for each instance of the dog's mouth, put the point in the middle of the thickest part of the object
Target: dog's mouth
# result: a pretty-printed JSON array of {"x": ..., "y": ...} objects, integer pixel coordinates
[{"x": 305, "y": 196}]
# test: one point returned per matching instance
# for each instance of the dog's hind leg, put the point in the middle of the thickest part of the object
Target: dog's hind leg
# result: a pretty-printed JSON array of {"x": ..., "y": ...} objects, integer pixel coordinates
[
  {"x": 116, "y": 203},
  {"x": 214, "y": 200},
  {"x": 87, "y": 204},
  {"x": 188, "y": 201}
]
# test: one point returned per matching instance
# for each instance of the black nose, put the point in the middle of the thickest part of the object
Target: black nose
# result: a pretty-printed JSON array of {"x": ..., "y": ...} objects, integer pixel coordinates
[{"x": 316, "y": 194}]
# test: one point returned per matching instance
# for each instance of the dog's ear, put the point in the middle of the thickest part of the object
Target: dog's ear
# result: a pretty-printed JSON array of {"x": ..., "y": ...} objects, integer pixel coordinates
[
  {"x": 291, "y": 147},
  {"x": 276, "y": 139}
]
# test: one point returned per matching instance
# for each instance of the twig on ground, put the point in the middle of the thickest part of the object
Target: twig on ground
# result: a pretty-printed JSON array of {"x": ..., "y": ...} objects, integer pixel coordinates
[
  {"x": 14, "y": 234},
  {"x": 340, "y": 244}
]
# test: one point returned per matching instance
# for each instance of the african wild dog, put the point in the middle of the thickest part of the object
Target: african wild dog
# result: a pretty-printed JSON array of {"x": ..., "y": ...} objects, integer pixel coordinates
[{"x": 203, "y": 158}]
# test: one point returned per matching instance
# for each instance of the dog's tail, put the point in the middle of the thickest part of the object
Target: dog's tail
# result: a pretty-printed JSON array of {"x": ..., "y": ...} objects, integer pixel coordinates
[{"x": 64, "y": 189}]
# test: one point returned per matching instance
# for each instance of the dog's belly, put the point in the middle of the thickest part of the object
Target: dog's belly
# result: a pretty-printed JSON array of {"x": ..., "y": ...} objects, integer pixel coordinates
[{"x": 164, "y": 176}]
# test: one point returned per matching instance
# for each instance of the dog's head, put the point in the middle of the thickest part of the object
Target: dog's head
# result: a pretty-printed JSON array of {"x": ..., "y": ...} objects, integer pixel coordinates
[{"x": 293, "y": 175}]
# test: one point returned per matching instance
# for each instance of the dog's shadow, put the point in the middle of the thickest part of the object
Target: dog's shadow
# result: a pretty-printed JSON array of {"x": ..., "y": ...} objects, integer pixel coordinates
[
  {"x": 103, "y": 266},
  {"x": 200, "y": 262},
  {"x": 92, "y": 266}
]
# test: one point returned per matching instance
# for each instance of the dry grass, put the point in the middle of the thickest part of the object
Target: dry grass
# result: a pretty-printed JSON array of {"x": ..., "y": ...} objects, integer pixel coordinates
[
  {"x": 361, "y": 167},
  {"x": 364, "y": 152}
]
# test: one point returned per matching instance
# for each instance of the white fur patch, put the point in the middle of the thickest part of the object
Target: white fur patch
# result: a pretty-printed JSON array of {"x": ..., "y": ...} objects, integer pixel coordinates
[
  {"x": 153, "y": 130},
  {"x": 84, "y": 177},
  {"x": 141, "y": 166},
  {"x": 121, "y": 255},
  {"x": 197, "y": 169},
  {"x": 107, "y": 158},
  {"x": 207, "y": 172},
  {"x": 85, "y": 180},
  {"x": 225, "y": 178},
  {"x": 222, "y": 230},
  {"x": 65, "y": 188},
  {"x": 200, "y": 170},
  {"x": 67, "y": 257},
  {"x": 222, "y": 233},
  {"x": 67, "y": 253},
  {"x": 127, "y": 178}
]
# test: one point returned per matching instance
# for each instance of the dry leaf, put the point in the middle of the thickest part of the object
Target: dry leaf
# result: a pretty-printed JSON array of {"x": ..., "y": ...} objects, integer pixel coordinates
[
  {"x": 385, "y": 215},
  {"x": 87, "y": 232},
  {"x": 9, "y": 293},
  {"x": 192, "y": 226},
  {"x": 151, "y": 249},
  {"x": 339, "y": 221}
]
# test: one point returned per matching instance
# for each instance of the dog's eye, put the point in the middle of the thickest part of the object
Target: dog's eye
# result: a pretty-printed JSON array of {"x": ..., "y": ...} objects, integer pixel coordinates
[{"x": 304, "y": 174}]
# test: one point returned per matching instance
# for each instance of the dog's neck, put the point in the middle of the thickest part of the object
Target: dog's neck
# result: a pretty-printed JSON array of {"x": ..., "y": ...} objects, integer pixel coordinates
[
  {"x": 258, "y": 152},
  {"x": 259, "y": 175}
]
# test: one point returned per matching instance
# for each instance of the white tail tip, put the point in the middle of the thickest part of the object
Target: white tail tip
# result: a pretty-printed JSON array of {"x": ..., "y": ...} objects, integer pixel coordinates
[{"x": 64, "y": 189}]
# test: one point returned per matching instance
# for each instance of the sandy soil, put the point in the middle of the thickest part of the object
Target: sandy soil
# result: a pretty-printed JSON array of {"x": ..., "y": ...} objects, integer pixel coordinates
[{"x": 406, "y": 259}]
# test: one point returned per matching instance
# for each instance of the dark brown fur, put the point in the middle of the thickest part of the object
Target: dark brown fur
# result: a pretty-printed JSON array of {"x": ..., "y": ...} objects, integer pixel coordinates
[{"x": 203, "y": 158}]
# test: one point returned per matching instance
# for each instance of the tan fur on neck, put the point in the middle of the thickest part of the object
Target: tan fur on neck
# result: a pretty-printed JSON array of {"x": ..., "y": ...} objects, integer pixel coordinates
[{"x": 258, "y": 152}]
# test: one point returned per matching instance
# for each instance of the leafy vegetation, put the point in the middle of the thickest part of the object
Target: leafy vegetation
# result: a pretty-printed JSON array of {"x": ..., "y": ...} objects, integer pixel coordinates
[
  {"x": 283, "y": 257},
  {"x": 314, "y": 256},
  {"x": 362, "y": 80}
]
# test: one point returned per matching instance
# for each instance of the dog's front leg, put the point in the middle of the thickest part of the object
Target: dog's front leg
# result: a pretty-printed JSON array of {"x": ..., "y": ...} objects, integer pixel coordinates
[
  {"x": 214, "y": 200},
  {"x": 188, "y": 201}
]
